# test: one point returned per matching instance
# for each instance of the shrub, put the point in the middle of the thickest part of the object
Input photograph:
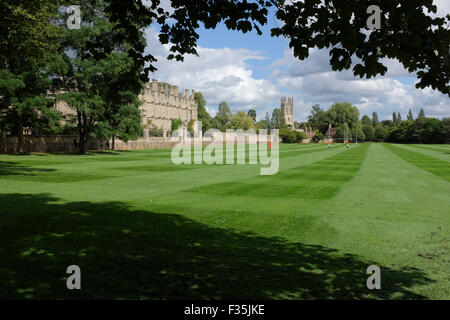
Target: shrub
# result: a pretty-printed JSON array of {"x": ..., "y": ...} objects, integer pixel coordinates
[
  {"x": 175, "y": 124},
  {"x": 319, "y": 136},
  {"x": 154, "y": 131},
  {"x": 300, "y": 136},
  {"x": 288, "y": 135}
]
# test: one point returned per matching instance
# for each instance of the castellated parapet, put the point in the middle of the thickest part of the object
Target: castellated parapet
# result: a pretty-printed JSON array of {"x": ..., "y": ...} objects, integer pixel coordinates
[
  {"x": 287, "y": 106},
  {"x": 162, "y": 104}
]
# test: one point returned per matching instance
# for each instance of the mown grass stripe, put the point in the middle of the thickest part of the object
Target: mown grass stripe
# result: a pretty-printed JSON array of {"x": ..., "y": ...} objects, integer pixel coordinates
[
  {"x": 320, "y": 180},
  {"x": 435, "y": 149},
  {"x": 438, "y": 167}
]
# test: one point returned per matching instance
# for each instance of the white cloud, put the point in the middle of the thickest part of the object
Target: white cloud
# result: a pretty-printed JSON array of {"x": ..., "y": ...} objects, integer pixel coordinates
[
  {"x": 225, "y": 75},
  {"x": 312, "y": 81},
  {"x": 443, "y": 8},
  {"x": 220, "y": 74}
]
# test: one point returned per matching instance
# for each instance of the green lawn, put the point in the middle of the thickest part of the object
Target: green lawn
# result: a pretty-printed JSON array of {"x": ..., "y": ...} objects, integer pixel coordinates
[{"x": 140, "y": 227}]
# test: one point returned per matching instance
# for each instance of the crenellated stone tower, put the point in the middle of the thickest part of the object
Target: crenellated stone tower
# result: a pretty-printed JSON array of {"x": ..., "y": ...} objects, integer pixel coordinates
[{"x": 287, "y": 106}]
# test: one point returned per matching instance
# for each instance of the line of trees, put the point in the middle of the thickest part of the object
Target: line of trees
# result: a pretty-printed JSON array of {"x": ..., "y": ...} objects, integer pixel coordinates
[
  {"x": 419, "y": 130},
  {"x": 225, "y": 119},
  {"x": 342, "y": 115},
  {"x": 345, "y": 117}
]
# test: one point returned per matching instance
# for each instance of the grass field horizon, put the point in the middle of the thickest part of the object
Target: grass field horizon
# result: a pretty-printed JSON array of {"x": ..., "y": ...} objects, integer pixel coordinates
[{"x": 141, "y": 227}]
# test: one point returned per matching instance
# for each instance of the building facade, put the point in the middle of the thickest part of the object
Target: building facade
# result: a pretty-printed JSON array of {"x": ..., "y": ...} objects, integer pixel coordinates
[{"x": 161, "y": 103}]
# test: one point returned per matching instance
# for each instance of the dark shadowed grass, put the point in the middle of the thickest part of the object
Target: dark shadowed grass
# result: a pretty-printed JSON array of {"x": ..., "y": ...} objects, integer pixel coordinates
[
  {"x": 146, "y": 228},
  {"x": 10, "y": 168},
  {"x": 136, "y": 254}
]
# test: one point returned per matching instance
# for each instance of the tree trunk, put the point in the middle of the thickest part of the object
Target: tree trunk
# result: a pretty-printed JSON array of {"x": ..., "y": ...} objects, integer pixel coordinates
[
  {"x": 19, "y": 133},
  {"x": 81, "y": 132},
  {"x": 113, "y": 142}
]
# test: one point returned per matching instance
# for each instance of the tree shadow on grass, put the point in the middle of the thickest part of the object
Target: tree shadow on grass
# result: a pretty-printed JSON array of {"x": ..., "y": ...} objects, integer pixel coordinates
[
  {"x": 133, "y": 254},
  {"x": 10, "y": 168}
]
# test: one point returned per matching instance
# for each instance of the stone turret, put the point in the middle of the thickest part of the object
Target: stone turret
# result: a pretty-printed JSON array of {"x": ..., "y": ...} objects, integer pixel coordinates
[{"x": 287, "y": 106}]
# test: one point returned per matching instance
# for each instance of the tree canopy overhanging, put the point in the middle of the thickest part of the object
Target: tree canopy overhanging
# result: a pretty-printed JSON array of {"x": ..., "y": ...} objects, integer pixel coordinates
[{"x": 407, "y": 32}]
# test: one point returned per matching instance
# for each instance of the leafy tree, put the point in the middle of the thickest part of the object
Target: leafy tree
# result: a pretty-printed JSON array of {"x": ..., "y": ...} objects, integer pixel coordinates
[
  {"x": 268, "y": 120},
  {"x": 421, "y": 114},
  {"x": 199, "y": 100},
  {"x": 374, "y": 119},
  {"x": 418, "y": 133},
  {"x": 278, "y": 119},
  {"x": 344, "y": 132},
  {"x": 365, "y": 120},
  {"x": 386, "y": 123},
  {"x": 341, "y": 113},
  {"x": 120, "y": 89},
  {"x": 358, "y": 131},
  {"x": 86, "y": 100},
  {"x": 394, "y": 117},
  {"x": 399, "y": 117},
  {"x": 175, "y": 124},
  {"x": 100, "y": 79},
  {"x": 369, "y": 132},
  {"x": 240, "y": 120},
  {"x": 28, "y": 41},
  {"x": 223, "y": 116},
  {"x": 202, "y": 114},
  {"x": 299, "y": 125},
  {"x": 262, "y": 124},
  {"x": 252, "y": 114},
  {"x": 318, "y": 119},
  {"x": 410, "y": 115},
  {"x": 400, "y": 132},
  {"x": 190, "y": 127},
  {"x": 433, "y": 131},
  {"x": 445, "y": 130},
  {"x": 380, "y": 133}
]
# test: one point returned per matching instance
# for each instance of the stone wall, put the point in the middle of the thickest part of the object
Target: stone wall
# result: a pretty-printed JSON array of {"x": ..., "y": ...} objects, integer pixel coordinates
[
  {"x": 54, "y": 144},
  {"x": 62, "y": 144}
]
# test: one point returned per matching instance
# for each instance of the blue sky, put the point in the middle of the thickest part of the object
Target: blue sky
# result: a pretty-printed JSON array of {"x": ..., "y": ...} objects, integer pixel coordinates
[{"x": 251, "y": 71}]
